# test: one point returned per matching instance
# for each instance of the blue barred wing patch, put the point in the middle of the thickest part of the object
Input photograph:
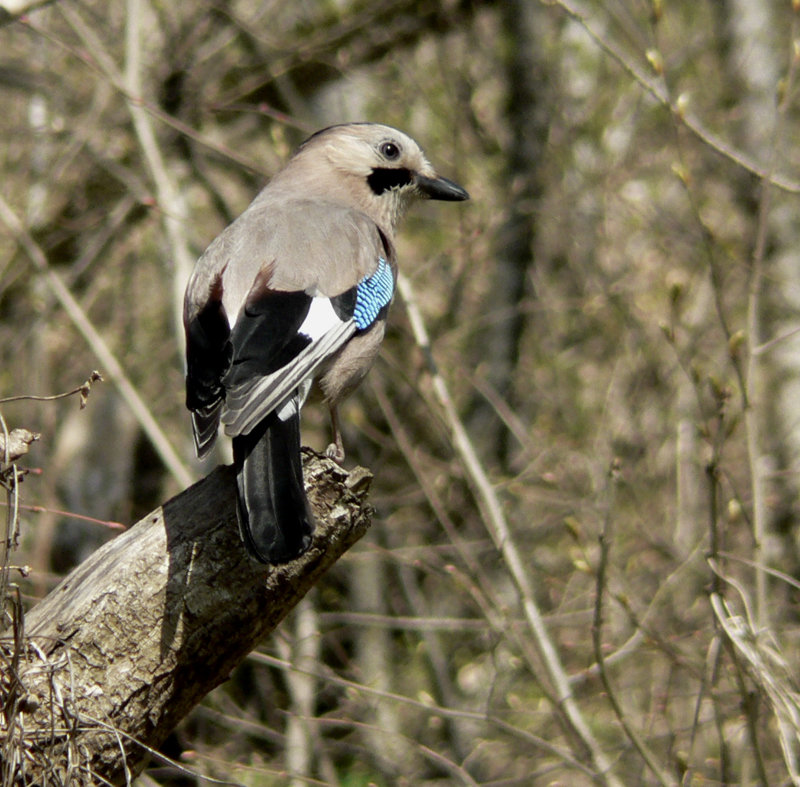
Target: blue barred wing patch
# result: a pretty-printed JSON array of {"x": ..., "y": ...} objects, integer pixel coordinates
[{"x": 373, "y": 293}]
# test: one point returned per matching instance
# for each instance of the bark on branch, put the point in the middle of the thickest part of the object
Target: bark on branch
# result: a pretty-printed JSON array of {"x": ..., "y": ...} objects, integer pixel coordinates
[{"x": 135, "y": 636}]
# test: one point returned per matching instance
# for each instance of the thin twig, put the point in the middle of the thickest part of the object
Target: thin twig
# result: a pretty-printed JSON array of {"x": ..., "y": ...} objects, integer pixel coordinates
[
  {"x": 773, "y": 572},
  {"x": 109, "y": 523},
  {"x": 770, "y": 343},
  {"x": 490, "y": 603},
  {"x": 605, "y": 539},
  {"x": 174, "y": 210},
  {"x": 10, "y": 520},
  {"x": 446, "y": 763},
  {"x": 708, "y": 679},
  {"x": 498, "y": 529},
  {"x": 83, "y": 389},
  {"x": 658, "y": 92},
  {"x": 755, "y": 375},
  {"x": 474, "y": 577},
  {"x": 97, "y": 344},
  {"x": 749, "y": 702},
  {"x": 431, "y": 708},
  {"x": 173, "y": 206}
]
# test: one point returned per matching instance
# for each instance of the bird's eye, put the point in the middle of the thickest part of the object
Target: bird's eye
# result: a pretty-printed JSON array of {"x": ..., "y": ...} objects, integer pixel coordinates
[{"x": 390, "y": 151}]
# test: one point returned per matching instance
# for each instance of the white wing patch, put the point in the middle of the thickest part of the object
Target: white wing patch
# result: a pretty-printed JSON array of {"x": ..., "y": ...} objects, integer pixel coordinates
[
  {"x": 285, "y": 389},
  {"x": 320, "y": 318}
]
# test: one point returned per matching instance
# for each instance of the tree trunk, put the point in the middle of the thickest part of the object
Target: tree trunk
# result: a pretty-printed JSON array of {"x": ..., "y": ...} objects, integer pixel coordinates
[
  {"x": 529, "y": 109},
  {"x": 116, "y": 655}
]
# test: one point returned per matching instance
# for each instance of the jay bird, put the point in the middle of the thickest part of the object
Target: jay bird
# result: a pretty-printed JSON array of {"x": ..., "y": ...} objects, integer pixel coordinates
[{"x": 295, "y": 290}]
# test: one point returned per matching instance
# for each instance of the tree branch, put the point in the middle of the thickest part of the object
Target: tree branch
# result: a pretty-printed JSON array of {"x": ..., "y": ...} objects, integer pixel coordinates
[
  {"x": 138, "y": 634},
  {"x": 110, "y": 364}
]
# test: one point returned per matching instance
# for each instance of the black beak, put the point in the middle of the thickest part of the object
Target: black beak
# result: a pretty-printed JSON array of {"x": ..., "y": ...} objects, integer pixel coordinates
[{"x": 440, "y": 188}]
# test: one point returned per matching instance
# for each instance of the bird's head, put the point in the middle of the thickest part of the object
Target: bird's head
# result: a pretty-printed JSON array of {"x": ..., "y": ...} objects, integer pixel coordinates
[{"x": 375, "y": 168}]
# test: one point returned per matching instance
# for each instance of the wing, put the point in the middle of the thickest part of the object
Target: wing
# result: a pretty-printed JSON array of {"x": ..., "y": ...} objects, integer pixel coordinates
[
  {"x": 208, "y": 357},
  {"x": 282, "y": 338},
  {"x": 279, "y": 291}
]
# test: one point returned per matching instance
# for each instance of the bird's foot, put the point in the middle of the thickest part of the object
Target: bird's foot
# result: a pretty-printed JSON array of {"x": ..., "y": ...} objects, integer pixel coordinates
[{"x": 335, "y": 451}]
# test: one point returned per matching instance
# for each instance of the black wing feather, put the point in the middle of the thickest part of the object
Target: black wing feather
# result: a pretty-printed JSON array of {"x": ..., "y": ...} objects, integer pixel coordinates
[
  {"x": 208, "y": 352},
  {"x": 265, "y": 337}
]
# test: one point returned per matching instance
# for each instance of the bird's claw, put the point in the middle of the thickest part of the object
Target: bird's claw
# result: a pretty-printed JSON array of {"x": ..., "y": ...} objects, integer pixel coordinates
[{"x": 336, "y": 452}]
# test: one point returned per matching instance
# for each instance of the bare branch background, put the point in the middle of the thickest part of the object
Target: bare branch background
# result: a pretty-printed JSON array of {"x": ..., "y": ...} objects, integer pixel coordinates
[{"x": 620, "y": 295}]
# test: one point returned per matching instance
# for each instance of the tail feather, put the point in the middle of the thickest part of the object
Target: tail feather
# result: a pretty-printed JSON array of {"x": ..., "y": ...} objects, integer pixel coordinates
[{"x": 274, "y": 518}]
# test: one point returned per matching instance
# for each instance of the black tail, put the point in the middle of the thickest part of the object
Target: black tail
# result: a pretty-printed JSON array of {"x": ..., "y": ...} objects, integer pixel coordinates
[{"x": 274, "y": 518}]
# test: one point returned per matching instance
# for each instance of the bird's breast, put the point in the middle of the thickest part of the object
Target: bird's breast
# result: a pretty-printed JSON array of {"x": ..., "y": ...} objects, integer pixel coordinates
[{"x": 343, "y": 373}]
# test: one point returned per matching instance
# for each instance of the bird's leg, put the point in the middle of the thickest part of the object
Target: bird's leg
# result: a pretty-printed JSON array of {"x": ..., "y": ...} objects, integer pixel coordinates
[{"x": 335, "y": 450}]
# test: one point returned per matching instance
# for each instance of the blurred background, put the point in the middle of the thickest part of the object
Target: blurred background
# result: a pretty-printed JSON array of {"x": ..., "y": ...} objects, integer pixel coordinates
[{"x": 583, "y": 564}]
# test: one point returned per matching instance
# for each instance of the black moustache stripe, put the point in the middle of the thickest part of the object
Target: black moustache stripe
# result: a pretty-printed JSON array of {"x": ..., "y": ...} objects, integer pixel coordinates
[{"x": 382, "y": 179}]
